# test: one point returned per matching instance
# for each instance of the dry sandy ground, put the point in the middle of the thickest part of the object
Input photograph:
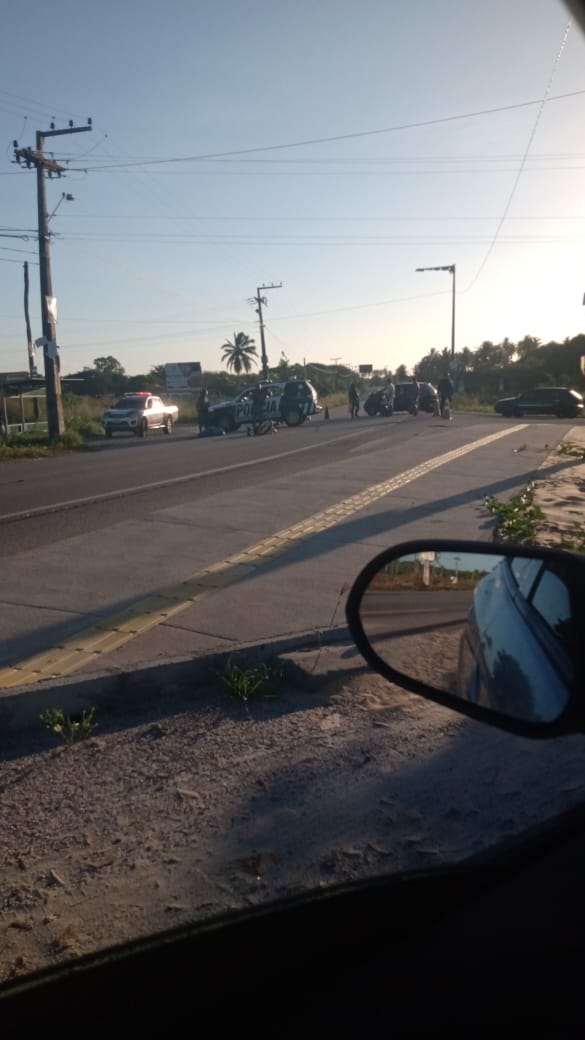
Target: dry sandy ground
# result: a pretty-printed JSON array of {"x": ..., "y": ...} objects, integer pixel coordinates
[{"x": 195, "y": 804}]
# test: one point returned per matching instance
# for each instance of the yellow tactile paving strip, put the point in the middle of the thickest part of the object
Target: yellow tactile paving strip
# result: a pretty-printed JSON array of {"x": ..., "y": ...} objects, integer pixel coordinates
[{"x": 107, "y": 635}]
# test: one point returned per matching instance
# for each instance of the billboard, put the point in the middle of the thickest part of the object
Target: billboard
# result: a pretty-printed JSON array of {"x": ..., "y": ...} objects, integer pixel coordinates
[
  {"x": 365, "y": 370},
  {"x": 183, "y": 377}
]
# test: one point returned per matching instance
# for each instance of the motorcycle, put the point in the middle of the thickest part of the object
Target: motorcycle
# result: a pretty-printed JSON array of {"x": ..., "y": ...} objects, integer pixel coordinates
[{"x": 378, "y": 403}]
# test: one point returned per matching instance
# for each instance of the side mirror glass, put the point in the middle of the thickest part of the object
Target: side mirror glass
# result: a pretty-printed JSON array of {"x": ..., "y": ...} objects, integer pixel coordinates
[{"x": 499, "y": 629}]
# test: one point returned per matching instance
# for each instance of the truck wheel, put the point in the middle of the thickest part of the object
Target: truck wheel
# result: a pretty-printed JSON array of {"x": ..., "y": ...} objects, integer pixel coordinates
[
  {"x": 143, "y": 428},
  {"x": 168, "y": 427},
  {"x": 293, "y": 417},
  {"x": 108, "y": 434}
]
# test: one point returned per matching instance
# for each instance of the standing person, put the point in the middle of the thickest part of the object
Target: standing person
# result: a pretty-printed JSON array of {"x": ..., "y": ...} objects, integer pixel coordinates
[
  {"x": 259, "y": 395},
  {"x": 354, "y": 400},
  {"x": 415, "y": 395},
  {"x": 203, "y": 408},
  {"x": 445, "y": 389},
  {"x": 391, "y": 393}
]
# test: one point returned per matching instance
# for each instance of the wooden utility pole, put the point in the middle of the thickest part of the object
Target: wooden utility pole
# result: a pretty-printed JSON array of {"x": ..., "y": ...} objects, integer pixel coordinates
[
  {"x": 259, "y": 300},
  {"x": 49, "y": 167}
]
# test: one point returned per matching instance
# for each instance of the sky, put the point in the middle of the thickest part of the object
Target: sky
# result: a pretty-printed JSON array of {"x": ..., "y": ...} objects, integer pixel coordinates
[{"x": 328, "y": 145}]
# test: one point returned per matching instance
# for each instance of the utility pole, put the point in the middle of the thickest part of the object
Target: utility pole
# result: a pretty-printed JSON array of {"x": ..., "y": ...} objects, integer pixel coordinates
[
  {"x": 259, "y": 300},
  {"x": 43, "y": 165}
]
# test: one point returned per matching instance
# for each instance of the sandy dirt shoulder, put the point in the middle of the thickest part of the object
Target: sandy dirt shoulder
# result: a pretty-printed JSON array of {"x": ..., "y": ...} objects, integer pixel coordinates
[{"x": 194, "y": 804}]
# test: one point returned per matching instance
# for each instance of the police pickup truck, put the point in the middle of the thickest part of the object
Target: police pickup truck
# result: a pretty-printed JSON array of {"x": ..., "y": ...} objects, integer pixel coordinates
[
  {"x": 291, "y": 402},
  {"x": 138, "y": 413}
]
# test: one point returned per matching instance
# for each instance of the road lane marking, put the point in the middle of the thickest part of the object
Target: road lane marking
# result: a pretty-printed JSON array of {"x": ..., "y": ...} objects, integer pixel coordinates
[
  {"x": 138, "y": 489},
  {"x": 154, "y": 609}
]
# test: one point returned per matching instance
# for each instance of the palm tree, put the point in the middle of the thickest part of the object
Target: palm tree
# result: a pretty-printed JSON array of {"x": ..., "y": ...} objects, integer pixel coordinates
[{"x": 240, "y": 353}]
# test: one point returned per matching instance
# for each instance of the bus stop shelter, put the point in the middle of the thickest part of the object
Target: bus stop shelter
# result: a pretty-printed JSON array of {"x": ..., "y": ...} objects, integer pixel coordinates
[{"x": 23, "y": 387}]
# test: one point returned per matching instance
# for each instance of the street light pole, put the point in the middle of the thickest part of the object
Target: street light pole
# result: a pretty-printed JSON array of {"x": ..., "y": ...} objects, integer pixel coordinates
[{"x": 451, "y": 269}]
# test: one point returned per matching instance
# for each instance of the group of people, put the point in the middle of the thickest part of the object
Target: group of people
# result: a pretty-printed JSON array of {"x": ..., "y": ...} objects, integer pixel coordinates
[{"x": 444, "y": 388}]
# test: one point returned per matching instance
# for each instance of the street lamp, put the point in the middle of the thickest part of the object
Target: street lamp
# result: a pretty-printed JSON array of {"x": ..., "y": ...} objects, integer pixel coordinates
[{"x": 451, "y": 269}]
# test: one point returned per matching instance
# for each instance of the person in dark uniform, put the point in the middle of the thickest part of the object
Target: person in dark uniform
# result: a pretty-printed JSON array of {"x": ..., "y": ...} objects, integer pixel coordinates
[
  {"x": 203, "y": 408},
  {"x": 354, "y": 400},
  {"x": 259, "y": 395},
  {"x": 445, "y": 388}
]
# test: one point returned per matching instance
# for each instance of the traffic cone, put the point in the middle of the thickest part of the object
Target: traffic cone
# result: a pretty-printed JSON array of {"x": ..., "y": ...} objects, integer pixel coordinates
[{"x": 326, "y": 416}]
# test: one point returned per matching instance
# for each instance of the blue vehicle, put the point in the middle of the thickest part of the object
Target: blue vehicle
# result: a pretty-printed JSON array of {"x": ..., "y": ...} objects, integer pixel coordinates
[{"x": 518, "y": 649}]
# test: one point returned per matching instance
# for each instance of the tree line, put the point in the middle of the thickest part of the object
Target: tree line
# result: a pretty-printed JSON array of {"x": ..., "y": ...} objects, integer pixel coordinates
[{"x": 488, "y": 371}]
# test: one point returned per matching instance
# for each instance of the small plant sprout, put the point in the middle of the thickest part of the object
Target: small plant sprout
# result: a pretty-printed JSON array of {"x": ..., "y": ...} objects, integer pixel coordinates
[
  {"x": 516, "y": 520},
  {"x": 250, "y": 683},
  {"x": 70, "y": 729}
]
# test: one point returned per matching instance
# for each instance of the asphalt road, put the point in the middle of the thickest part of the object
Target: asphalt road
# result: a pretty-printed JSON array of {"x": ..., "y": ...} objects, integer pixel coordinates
[
  {"x": 127, "y": 477},
  {"x": 88, "y": 537},
  {"x": 127, "y": 462}
]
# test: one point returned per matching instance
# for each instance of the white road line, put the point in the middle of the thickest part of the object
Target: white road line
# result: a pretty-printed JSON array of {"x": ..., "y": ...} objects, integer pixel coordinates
[{"x": 74, "y": 503}]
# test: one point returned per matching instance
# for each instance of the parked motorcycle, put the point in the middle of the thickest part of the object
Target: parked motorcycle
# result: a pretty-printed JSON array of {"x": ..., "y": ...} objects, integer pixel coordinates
[{"x": 378, "y": 403}]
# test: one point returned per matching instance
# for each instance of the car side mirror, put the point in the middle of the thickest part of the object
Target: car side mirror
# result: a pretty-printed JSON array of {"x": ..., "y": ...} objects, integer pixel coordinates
[{"x": 493, "y": 632}]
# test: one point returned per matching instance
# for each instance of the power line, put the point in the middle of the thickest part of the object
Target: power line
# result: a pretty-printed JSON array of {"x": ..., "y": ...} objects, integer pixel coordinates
[
  {"x": 523, "y": 161},
  {"x": 375, "y": 219},
  {"x": 419, "y": 124},
  {"x": 7, "y": 260}
]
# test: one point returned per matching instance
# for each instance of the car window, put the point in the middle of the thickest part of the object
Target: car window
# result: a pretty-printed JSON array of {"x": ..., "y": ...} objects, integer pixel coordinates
[
  {"x": 552, "y": 601},
  {"x": 525, "y": 572}
]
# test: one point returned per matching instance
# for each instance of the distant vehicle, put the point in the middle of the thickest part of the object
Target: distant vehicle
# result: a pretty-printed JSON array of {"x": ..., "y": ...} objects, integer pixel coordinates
[
  {"x": 543, "y": 400},
  {"x": 138, "y": 413},
  {"x": 427, "y": 397},
  {"x": 378, "y": 403},
  {"x": 406, "y": 398},
  {"x": 291, "y": 402}
]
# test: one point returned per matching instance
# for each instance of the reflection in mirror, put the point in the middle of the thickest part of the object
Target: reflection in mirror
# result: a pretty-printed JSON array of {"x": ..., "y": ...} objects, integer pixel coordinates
[{"x": 497, "y": 631}]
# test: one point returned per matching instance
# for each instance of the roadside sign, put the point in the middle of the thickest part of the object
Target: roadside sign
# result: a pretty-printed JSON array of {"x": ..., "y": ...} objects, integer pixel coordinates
[
  {"x": 183, "y": 377},
  {"x": 366, "y": 370}
]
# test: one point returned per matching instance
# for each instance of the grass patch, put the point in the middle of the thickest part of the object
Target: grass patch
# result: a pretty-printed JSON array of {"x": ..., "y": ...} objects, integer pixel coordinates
[
  {"x": 247, "y": 682},
  {"x": 473, "y": 403},
  {"x": 574, "y": 451},
  {"x": 518, "y": 519},
  {"x": 333, "y": 400},
  {"x": 576, "y": 542},
  {"x": 39, "y": 446},
  {"x": 71, "y": 729}
]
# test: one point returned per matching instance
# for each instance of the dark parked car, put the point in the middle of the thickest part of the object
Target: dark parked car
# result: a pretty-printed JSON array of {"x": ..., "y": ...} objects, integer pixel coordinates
[
  {"x": 427, "y": 397},
  {"x": 406, "y": 398},
  {"x": 543, "y": 400}
]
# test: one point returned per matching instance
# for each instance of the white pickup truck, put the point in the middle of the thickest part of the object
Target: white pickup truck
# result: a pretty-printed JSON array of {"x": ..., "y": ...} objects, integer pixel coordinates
[{"x": 138, "y": 413}]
